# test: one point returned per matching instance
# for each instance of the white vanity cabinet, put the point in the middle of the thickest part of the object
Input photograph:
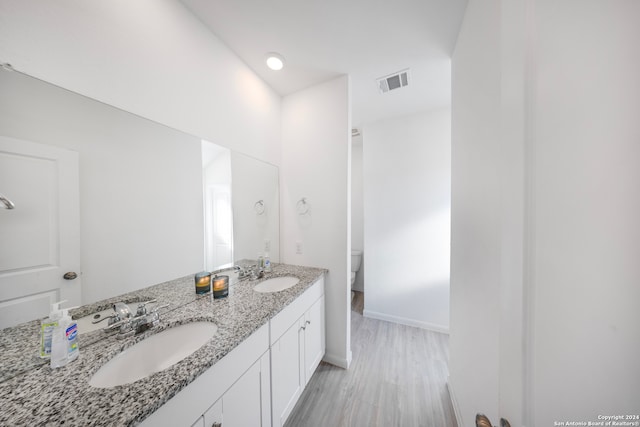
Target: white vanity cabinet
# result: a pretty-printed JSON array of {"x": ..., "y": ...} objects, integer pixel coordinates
[
  {"x": 259, "y": 382},
  {"x": 234, "y": 392},
  {"x": 243, "y": 403},
  {"x": 297, "y": 347}
]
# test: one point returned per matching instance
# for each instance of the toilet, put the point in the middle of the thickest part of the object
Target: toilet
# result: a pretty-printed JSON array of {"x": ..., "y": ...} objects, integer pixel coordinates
[{"x": 356, "y": 261}]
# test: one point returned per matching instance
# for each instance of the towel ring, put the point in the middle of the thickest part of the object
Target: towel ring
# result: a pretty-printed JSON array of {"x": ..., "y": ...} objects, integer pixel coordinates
[
  {"x": 8, "y": 204},
  {"x": 259, "y": 207},
  {"x": 302, "y": 206}
]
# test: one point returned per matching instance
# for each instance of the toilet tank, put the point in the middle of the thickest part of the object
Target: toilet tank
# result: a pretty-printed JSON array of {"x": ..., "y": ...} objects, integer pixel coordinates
[{"x": 356, "y": 260}]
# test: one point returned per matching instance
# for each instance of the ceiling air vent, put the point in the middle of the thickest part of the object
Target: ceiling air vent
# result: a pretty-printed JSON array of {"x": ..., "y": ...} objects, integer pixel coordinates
[{"x": 393, "y": 81}]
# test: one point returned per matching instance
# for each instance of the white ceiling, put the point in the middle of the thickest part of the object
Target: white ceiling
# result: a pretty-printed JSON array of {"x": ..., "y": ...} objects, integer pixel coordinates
[{"x": 367, "y": 39}]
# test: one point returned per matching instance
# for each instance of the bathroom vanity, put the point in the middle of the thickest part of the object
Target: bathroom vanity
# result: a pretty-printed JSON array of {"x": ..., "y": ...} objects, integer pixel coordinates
[{"x": 251, "y": 372}]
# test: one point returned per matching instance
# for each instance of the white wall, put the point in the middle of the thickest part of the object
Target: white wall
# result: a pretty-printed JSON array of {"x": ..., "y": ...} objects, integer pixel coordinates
[
  {"x": 357, "y": 206},
  {"x": 557, "y": 85},
  {"x": 475, "y": 214},
  {"x": 586, "y": 210},
  {"x": 316, "y": 165},
  {"x": 407, "y": 199},
  {"x": 150, "y": 57}
]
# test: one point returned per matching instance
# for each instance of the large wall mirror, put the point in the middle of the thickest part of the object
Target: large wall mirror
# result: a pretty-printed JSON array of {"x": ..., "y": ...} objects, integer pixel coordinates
[
  {"x": 241, "y": 207},
  {"x": 152, "y": 203}
]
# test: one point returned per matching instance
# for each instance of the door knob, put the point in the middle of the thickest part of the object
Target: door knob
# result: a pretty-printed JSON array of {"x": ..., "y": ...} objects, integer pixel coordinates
[{"x": 70, "y": 275}]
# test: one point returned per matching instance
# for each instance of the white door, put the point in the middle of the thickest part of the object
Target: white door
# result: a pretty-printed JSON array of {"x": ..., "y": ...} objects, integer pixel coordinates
[{"x": 40, "y": 237}]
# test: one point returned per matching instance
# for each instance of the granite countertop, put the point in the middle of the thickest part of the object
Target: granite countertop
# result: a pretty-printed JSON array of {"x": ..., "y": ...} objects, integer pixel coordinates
[{"x": 31, "y": 393}]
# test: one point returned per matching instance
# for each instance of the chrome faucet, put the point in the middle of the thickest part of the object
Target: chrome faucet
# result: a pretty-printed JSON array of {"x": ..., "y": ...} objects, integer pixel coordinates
[
  {"x": 129, "y": 324},
  {"x": 244, "y": 271},
  {"x": 256, "y": 272},
  {"x": 121, "y": 312},
  {"x": 235, "y": 268}
]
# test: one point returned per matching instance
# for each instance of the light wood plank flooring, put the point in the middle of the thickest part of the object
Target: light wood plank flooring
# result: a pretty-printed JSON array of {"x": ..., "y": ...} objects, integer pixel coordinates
[{"x": 397, "y": 379}]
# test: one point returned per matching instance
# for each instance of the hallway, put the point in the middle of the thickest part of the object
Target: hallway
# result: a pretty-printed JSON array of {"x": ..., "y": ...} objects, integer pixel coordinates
[{"x": 397, "y": 378}]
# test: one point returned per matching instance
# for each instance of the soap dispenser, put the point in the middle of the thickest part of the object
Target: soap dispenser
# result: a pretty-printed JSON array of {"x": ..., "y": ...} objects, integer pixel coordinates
[
  {"x": 46, "y": 329},
  {"x": 64, "y": 341},
  {"x": 267, "y": 263}
]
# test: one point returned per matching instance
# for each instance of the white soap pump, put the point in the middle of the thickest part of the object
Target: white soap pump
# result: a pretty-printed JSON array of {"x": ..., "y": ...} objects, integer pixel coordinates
[
  {"x": 64, "y": 340},
  {"x": 46, "y": 329}
]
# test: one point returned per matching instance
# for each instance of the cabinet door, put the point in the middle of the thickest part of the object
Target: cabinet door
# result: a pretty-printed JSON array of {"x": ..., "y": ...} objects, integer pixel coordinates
[
  {"x": 287, "y": 372},
  {"x": 199, "y": 422},
  {"x": 314, "y": 338},
  {"x": 241, "y": 404},
  {"x": 213, "y": 416}
]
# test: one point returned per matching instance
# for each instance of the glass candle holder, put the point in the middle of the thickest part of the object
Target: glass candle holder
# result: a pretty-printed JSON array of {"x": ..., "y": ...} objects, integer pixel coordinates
[
  {"x": 203, "y": 282},
  {"x": 220, "y": 286}
]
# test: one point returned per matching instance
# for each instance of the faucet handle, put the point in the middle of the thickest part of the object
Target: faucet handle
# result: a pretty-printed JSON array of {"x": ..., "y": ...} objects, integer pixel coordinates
[
  {"x": 148, "y": 320},
  {"x": 122, "y": 312},
  {"x": 95, "y": 322},
  {"x": 155, "y": 309},
  {"x": 142, "y": 307},
  {"x": 124, "y": 325}
]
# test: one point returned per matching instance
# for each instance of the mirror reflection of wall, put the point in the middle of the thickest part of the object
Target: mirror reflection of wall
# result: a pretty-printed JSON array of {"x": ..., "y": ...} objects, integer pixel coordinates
[
  {"x": 218, "y": 216},
  {"x": 140, "y": 188},
  {"x": 141, "y": 198},
  {"x": 256, "y": 208}
]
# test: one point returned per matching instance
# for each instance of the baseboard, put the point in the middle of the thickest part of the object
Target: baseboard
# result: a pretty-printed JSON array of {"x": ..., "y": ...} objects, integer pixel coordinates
[
  {"x": 405, "y": 321},
  {"x": 454, "y": 404},
  {"x": 340, "y": 362}
]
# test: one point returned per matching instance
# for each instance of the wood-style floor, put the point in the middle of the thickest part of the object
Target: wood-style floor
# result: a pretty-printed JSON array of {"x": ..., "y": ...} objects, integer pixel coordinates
[{"x": 397, "y": 378}]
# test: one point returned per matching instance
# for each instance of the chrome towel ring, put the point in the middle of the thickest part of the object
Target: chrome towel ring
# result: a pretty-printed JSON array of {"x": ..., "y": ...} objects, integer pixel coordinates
[{"x": 8, "y": 204}]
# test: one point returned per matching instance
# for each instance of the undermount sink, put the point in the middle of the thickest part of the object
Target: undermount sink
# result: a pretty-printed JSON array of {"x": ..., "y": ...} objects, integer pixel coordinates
[
  {"x": 154, "y": 354},
  {"x": 276, "y": 284}
]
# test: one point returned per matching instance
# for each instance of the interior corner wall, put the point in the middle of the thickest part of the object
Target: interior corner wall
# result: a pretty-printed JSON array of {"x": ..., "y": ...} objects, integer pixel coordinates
[
  {"x": 153, "y": 58},
  {"x": 315, "y": 165},
  {"x": 357, "y": 207},
  {"x": 475, "y": 214},
  {"x": 407, "y": 202}
]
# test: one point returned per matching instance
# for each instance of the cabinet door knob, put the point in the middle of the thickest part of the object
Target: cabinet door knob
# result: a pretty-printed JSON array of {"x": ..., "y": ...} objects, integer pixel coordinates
[
  {"x": 70, "y": 275},
  {"x": 308, "y": 322}
]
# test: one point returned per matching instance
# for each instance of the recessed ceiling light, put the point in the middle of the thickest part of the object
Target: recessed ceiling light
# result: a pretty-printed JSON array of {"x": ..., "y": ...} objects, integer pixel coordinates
[{"x": 275, "y": 61}]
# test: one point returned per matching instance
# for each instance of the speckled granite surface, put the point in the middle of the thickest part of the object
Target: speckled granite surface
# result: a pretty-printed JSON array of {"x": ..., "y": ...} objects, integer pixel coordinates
[{"x": 31, "y": 393}]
